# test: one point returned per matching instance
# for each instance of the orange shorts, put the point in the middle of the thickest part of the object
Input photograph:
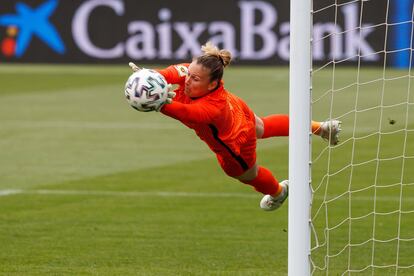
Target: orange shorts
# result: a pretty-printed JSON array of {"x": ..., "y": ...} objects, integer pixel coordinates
[{"x": 240, "y": 158}]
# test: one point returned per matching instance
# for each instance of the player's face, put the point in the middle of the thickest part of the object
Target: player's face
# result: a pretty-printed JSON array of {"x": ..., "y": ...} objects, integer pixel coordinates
[{"x": 197, "y": 83}]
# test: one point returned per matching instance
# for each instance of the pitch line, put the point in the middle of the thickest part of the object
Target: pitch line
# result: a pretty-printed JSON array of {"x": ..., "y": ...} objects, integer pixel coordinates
[
  {"x": 9, "y": 192},
  {"x": 88, "y": 125},
  {"x": 131, "y": 194}
]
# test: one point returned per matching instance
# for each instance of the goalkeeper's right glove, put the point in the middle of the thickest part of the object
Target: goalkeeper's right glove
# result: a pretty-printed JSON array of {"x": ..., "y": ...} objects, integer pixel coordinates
[{"x": 170, "y": 97}]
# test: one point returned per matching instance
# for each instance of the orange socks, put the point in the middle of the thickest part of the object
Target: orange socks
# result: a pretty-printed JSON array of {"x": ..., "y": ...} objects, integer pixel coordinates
[
  {"x": 278, "y": 125},
  {"x": 275, "y": 125},
  {"x": 265, "y": 182},
  {"x": 316, "y": 127}
]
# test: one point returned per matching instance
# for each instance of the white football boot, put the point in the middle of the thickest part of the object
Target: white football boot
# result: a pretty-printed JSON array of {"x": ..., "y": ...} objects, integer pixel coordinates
[
  {"x": 330, "y": 131},
  {"x": 270, "y": 203}
]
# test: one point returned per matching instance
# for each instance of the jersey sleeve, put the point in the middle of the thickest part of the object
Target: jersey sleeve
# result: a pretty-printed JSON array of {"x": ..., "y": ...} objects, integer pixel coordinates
[
  {"x": 175, "y": 74},
  {"x": 201, "y": 113}
]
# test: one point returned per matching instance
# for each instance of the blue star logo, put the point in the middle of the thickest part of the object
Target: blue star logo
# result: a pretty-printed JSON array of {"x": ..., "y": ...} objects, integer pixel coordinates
[{"x": 34, "y": 22}]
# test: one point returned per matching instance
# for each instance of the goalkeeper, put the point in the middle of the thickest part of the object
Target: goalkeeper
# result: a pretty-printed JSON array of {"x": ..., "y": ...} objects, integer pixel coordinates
[{"x": 227, "y": 125}]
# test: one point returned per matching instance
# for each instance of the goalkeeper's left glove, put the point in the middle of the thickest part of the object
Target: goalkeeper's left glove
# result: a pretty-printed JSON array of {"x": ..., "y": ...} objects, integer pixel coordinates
[{"x": 134, "y": 67}]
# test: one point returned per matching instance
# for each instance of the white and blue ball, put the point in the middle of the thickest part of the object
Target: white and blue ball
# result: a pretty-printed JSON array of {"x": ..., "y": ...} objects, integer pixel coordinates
[{"x": 146, "y": 90}]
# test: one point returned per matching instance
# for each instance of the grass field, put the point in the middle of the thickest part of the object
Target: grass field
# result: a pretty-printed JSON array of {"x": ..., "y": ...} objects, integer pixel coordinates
[
  {"x": 88, "y": 186},
  {"x": 363, "y": 208}
]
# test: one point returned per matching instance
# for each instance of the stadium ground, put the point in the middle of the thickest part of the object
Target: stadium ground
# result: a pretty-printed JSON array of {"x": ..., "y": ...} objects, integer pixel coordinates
[{"x": 89, "y": 186}]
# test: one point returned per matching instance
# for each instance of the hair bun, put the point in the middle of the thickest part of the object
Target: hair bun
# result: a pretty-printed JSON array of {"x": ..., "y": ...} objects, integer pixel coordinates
[{"x": 209, "y": 49}]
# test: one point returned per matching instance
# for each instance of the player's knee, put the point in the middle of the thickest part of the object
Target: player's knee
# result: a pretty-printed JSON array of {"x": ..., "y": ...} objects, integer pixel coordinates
[
  {"x": 249, "y": 175},
  {"x": 259, "y": 127}
]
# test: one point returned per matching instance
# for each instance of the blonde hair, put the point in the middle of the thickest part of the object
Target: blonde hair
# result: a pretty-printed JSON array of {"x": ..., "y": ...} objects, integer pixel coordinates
[
  {"x": 209, "y": 49},
  {"x": 215, "y": 60}
]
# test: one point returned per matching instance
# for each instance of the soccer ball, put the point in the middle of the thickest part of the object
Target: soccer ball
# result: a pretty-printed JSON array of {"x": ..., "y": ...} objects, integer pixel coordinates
[{"x": 146, "y": 90}]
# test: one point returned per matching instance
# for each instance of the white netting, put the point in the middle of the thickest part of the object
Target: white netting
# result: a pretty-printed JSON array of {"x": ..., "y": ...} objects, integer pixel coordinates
[{"x": 363, "y": 189}]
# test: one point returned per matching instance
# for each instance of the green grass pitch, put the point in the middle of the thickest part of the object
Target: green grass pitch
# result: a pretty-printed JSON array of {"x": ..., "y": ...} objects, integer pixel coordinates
[{"x": 89, "y": 186}]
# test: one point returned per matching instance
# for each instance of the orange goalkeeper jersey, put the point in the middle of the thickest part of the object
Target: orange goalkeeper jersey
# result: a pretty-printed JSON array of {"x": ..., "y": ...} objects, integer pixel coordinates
[{"x": 221, "y": 119}]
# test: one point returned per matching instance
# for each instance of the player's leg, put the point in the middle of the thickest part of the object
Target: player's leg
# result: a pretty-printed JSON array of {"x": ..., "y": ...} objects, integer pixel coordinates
[
  {"x": 244, "y": 168},
  {"x": 241, "y": 165},
  {"x": 278, "y": 125},
  {"x": 272, "y": 126},
  {"x": 263, "y": 181}
]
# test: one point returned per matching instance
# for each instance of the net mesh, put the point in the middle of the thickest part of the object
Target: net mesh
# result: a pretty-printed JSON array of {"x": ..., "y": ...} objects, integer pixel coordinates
[{"x": 362, "y": 213}]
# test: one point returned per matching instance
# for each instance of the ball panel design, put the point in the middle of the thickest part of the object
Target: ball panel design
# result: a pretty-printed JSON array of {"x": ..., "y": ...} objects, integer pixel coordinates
[{"x": 146, "y": 90}]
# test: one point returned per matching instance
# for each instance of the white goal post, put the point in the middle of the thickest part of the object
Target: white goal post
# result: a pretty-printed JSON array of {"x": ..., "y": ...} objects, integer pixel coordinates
[
  {"x": 351, "y": 206},
  {"x": 299, "y": 138}
]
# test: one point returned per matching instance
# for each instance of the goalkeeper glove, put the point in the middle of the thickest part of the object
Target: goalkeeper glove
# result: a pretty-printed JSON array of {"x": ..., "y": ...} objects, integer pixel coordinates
[
  {"x": 134, "y": 67},
  {"x": 170, "y": 97}
]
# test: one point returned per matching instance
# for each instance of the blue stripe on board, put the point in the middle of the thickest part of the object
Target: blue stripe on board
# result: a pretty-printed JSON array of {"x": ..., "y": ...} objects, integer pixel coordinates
[{"x": 401, "y": 11}]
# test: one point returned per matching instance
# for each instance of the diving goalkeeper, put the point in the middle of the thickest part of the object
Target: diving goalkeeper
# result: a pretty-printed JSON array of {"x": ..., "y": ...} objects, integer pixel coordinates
[{"x": 227, "y": 125}]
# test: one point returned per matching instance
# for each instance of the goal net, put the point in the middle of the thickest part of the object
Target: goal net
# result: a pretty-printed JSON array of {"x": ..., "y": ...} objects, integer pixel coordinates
[{"x": 362, "y": 213}]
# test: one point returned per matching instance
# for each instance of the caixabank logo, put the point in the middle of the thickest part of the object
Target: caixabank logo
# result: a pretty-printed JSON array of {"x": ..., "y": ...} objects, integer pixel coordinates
[
  {"x": 159, "y": 31},
  {"x": 25, "y": 24}
]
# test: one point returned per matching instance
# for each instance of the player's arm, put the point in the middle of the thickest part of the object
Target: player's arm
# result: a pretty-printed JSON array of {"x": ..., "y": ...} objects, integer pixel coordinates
[
  {"x": 175, "y": 74},
  {"x": 191, "y": 113}
]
